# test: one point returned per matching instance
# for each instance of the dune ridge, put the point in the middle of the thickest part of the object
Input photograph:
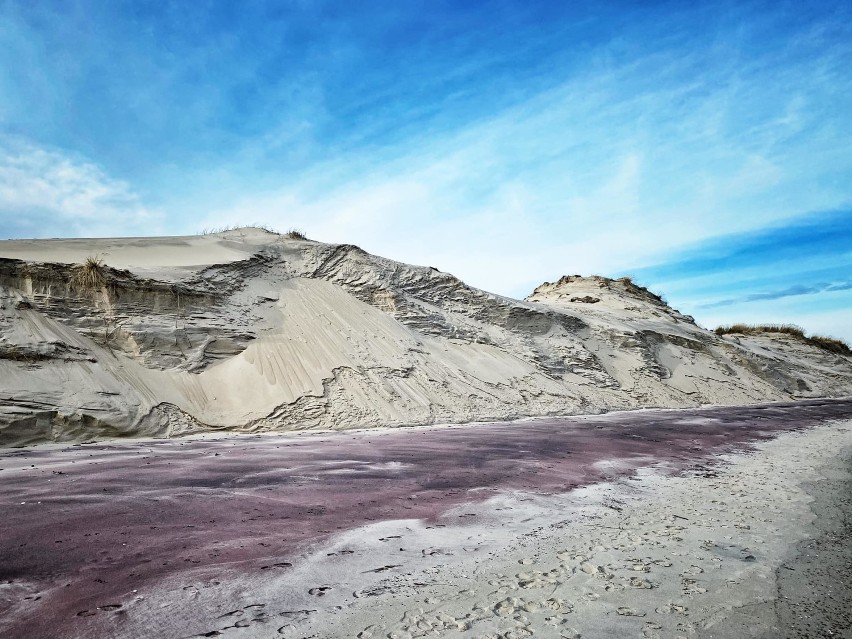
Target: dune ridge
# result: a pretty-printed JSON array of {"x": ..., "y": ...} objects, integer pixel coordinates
[{"x": 248, "y": 330}]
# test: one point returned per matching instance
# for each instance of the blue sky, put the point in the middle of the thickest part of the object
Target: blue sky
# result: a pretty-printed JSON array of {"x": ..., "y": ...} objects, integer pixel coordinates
[{"x": 707, "y": 151}]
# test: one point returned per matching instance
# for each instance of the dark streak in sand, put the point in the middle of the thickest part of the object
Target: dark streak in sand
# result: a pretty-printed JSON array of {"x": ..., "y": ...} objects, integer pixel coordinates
[{"x": 99, "y": 523}]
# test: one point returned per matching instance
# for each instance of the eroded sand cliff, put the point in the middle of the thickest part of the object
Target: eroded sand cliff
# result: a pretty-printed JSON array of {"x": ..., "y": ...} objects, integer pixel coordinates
[{"x": 248, "y": 330}]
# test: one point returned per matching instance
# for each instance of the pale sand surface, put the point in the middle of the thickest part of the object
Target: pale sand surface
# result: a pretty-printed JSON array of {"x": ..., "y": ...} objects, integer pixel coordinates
[
  {"x": 711, "y": 554},
  {"x": 637, "y": 552}
]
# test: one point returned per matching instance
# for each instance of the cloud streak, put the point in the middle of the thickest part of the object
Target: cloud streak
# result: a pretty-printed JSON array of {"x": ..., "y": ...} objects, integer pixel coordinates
[
  {"x": 74, "y": 196},
  {"x": 791, "y": 291}
]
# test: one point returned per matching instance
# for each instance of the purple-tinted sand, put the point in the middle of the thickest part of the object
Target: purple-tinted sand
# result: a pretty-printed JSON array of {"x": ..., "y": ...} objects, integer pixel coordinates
[{"x": 85, "y": 527}]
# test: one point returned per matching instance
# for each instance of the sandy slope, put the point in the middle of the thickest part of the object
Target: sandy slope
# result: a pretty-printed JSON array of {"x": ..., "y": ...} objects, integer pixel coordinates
[{"x": 249, "y": 330}]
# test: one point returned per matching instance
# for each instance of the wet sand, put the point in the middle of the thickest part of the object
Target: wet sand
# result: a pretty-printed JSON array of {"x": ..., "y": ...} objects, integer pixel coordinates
[
  {"x": 814, "y": 582},
  {"x": 89, "y": 529}
]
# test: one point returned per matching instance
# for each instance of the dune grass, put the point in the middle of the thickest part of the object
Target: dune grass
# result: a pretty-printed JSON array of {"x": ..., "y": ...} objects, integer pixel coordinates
[
  {"x": 831, "y": 344},
  {"x": 91, "y": 274},
  {"x": 237, "y": 227},
  {"x": 292, "y": 234},
  {"x": 755, "y": 329},
  {"x": 295, "y": 234},
  {"x": 631, "y": 284},
  {"x": 820, "y": 341}
]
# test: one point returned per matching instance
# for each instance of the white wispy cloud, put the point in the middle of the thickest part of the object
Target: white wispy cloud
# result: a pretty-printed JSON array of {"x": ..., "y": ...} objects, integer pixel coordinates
[
  {"x": 606, "y": 170},
  {"x": 45, "y": 192}
]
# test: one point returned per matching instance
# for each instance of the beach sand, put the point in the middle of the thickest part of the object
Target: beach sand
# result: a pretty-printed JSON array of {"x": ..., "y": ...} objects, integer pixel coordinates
[
  {"x": 758, "y": 547},
  {"x": 721, "y": 528}
]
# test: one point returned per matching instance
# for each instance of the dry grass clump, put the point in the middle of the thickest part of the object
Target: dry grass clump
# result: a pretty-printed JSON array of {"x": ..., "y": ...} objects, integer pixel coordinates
[
  {"x": 820, "y": 341},
  {"x": 631, "y": 285},
  {"x": 91, "y": 274},
  {"x": 830, "y": 344},
  {"x": 755, "y": 329},
  {"x": 295, "y": 234}
]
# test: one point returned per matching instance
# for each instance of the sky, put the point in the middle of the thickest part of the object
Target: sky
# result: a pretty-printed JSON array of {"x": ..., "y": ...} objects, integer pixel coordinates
[{"x": 704, "y": 150}]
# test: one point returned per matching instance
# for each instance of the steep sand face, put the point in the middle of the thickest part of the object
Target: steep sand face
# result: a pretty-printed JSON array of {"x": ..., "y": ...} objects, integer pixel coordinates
[{"x": 249, "y": 330}]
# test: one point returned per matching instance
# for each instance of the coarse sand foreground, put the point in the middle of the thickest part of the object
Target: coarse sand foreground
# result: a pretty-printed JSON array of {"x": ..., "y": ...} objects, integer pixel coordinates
[
  {"x": 712, "y": 554},
  {"x": 724, "y": 545}
]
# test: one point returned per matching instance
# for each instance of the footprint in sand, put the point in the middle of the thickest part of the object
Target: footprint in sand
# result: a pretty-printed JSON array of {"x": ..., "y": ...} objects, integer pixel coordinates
[
  {"x": 639, "y": 566},
  {"x": 592, "y": 569},
  {"x": 558, "y": 605},
  {"x": 637, "y": 582},
  {"x": 689, "y": 587},
  {"x": 505, "y": 608},
  {"x": 672, "y": 608}
]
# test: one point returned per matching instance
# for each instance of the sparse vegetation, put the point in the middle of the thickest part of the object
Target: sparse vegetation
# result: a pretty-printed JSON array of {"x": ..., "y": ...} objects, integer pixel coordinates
[
  {"x": 234, "y": 227},
  {"x": 830, "y": 344},
  {"x": 295, "y": 234},
  {"x": 631, "y": 285},
  {"x": 756, "y": 329},
  {"x": 826, "y": 343},
  {"x": 292, "y": 234}
]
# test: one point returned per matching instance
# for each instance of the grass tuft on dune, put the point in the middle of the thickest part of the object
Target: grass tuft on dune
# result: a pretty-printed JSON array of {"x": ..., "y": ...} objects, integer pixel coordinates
[{"x": 826, "y": 343}]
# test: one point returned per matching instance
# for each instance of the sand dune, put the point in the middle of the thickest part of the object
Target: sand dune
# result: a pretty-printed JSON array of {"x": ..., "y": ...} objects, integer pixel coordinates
[{"x": 251, "y": 331}]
